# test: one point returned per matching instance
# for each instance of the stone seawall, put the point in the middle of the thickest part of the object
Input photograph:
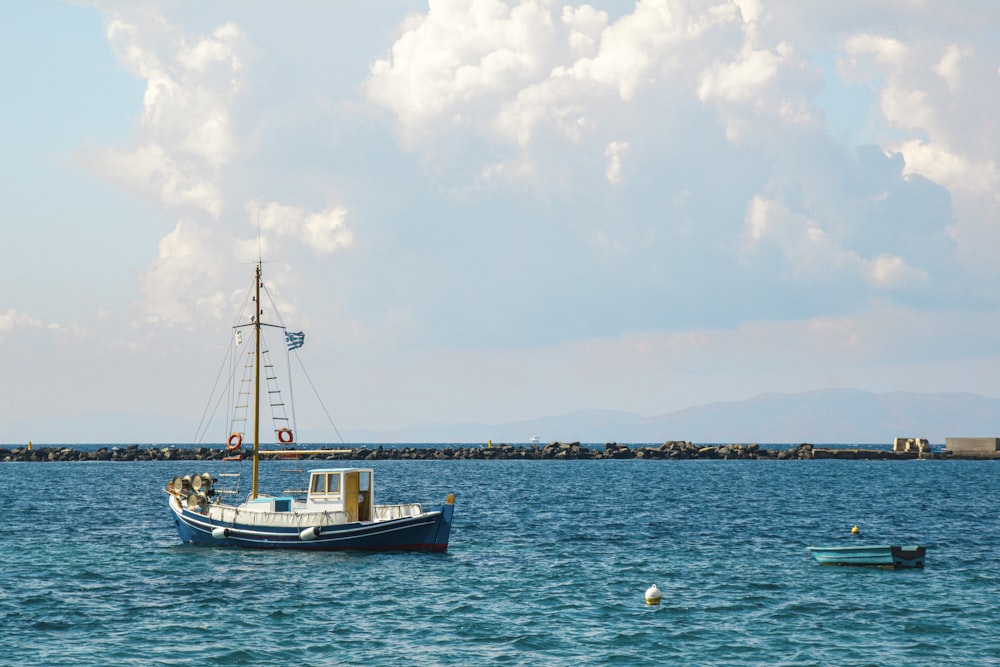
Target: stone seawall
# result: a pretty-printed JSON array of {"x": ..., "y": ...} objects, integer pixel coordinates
[{"x": 671, "y": 450}]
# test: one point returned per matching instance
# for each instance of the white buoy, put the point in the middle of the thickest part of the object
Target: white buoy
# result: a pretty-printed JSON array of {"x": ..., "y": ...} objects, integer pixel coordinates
[{"x": 653, "y": 595}]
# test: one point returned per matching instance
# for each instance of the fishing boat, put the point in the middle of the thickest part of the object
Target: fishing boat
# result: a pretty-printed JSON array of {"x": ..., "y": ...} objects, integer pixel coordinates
[
  {"x": 879, "y": 555},
  {"x": 337, "y": 509}
]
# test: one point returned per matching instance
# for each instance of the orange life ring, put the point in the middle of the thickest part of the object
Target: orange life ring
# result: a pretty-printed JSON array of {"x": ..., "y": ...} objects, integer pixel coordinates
[
  {"x": 285, "y": 435},
  {"x": 235, "y": 442}
]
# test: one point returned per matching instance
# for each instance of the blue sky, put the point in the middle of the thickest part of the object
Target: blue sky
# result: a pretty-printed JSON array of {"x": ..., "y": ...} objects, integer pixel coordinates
[{"x": 487, "y": 211}]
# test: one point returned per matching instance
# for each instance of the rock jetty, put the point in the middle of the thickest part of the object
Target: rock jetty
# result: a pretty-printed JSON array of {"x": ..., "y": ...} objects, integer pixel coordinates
[{"x": 670, "y": 450}]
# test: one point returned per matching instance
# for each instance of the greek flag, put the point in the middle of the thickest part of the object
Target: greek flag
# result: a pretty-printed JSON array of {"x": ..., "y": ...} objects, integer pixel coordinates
[{"x": 295, "y": 340}]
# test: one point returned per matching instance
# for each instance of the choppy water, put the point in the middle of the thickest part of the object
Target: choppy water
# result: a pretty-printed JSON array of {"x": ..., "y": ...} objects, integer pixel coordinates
[{"x": 547, "y": 566}]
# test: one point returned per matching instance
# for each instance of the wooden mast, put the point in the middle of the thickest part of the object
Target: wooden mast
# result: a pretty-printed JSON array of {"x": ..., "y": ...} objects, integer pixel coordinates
[{"x": 256, "y": 385}]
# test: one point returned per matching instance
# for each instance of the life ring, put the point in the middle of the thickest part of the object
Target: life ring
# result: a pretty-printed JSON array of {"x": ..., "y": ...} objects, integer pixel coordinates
[
  {"x": 235, "y": 442},
  {"x": 285, "y": 435}
]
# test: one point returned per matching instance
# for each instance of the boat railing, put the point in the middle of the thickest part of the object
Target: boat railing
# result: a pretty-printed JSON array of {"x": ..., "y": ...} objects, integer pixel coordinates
[
  {"x": 400, "y": 511},
  {"x": 295, "y": 519}
]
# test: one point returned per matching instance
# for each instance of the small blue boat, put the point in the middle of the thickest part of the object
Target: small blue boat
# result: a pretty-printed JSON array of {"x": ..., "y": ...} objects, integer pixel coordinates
[{"x": 878, "y": 555}]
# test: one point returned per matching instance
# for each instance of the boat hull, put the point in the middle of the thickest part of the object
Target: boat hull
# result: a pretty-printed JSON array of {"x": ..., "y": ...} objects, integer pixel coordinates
[
  {"x": 878, "y": 555},
  {"x": 428, "y": 531}
]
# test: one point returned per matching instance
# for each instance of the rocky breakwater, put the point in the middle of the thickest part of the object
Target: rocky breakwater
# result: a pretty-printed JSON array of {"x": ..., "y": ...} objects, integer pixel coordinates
[
  {"x": 670, "y": 450},
  {"x": 129, "y": 453}
]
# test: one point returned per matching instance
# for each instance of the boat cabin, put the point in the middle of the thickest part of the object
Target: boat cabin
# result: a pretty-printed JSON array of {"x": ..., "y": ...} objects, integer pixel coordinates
[{"x": 347, "y": 490}]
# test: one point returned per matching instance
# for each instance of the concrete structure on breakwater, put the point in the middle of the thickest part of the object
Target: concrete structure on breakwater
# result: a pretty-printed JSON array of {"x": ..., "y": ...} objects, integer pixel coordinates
[
  {"x": 965, "y": 447},
  {"x": 671, "y": 450}
]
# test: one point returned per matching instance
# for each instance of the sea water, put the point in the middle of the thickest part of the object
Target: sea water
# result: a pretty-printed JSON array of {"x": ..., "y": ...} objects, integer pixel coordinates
[{"x": 548, "y": 565}]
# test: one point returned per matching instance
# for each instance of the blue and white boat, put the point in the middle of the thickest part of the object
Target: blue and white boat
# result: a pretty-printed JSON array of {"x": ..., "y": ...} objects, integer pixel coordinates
[
  {"x": 339, "y": 509},
  {"x": 339, "y": 512},
  {"x": 879, "y": 555}
]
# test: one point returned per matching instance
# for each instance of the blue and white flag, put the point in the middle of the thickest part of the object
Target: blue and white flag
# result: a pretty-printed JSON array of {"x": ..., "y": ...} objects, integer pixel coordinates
[{"x": 295, "y": 340}]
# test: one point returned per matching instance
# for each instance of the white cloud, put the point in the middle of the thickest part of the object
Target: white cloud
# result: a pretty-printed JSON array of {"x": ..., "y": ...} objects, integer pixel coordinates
[
  {"x": 751, "y": 10},
  {"x": 945, "y": 129},
  {"x": 953, "y": 171},
  {"x": 740, "y": 80},
  {"x": 511, "y": 70},
  {"x": 762, "y": 89},
  {"x": 585, "y": 26},
  {"x": 13, "y": 319},
  {"x": 325, "y": 232},
  {"x": 582, "y": 78},
  {"x": 185, "y": 134},
  {"x": 632, "y": 50},
  {"x": 189, "y": 86},
  {"x": 154, "y": 172},
  {"x": 809, "y": 252},
  {"x": 178, "y": 286},
  {"x": 614, "y": 153},
  {"x": 907, "y": 107},
  {"x": 886, "y": 51},
  {"x": 889, "y": 271},
  {"x": 220, "y": 47},
  {"x": 949, "y": 67},
  {"x": 457, "y": 56}
]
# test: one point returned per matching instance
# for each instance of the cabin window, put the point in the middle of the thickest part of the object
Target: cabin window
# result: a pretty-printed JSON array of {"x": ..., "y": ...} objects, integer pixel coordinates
[
  {"x": 328, "y": 483},
  {"x": 317, "y": 484},
  {"x": 333, "y": 483}
]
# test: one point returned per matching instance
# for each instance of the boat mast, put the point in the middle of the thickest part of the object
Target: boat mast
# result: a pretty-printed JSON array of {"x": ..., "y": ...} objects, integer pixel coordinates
[{"x": 256, "y": 385}]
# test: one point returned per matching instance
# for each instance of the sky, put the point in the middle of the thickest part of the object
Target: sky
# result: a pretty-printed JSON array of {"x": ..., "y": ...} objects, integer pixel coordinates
[{"x": 491, "y": 210}]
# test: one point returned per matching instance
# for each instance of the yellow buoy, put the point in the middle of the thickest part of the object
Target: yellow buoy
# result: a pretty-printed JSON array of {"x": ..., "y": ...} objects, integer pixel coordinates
[
  {"x": 653, "y": 595},
  {"x": 855, "y": 530}
]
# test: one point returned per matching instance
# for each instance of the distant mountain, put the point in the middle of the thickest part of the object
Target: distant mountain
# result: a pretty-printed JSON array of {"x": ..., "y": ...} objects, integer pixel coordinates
[
  {"x": 820, "y": 417},
  {"x": 833, "y": 416}
]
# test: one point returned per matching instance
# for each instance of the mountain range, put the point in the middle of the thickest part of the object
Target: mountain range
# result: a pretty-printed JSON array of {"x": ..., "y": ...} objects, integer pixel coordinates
[{"x": 825, "y": 416}]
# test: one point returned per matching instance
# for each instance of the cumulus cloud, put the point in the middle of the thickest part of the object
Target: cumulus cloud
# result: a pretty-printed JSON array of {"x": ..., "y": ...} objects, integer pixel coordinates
[
  {"x": 951, "y": 170},
  {"x": 325, "y": 232},
  {"x": 13, "y": 319},
  {"x": 809, "y": 252},
  {"x": 153, "y": 171},
  {"x": 185, "y": 133},
  {"x": 585, "y": 24},
  {"x": 741, "y": 80},
  {"x": 507, "y": 70},
  {"x": 945, "y": 130},
  {"x": 457, "y": 55},
  {"x": 614, "y": 153},
  {"x": 583, "y": 78},
  {"x": 177, "y": 287},
  {"x": 949, "y": 67}
]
